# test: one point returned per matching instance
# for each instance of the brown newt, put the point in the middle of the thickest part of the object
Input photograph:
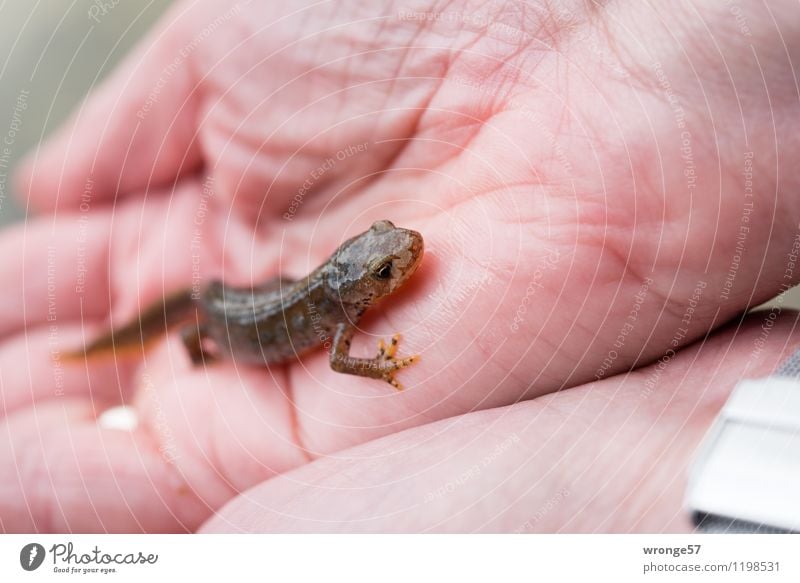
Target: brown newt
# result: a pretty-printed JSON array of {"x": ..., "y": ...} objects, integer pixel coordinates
[{"x": 284, "y": 318}]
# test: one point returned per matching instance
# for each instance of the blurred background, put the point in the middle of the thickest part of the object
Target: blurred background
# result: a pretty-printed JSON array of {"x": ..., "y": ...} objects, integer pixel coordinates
[{"x": 52, "y": 52}]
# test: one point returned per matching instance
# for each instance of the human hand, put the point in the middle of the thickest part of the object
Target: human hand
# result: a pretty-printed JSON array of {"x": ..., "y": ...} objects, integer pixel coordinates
[
  {"x": 537, "y": 153},
  {"x": 609, "y": 456}
]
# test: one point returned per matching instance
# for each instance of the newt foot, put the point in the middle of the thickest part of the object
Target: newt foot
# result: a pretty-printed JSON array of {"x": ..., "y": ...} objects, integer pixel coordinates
[{"x": 390, "y": 364}]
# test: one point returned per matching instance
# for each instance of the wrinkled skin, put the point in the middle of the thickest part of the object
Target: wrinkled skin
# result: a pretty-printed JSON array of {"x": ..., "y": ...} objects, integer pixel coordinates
[{"x": 572, "y": 172}]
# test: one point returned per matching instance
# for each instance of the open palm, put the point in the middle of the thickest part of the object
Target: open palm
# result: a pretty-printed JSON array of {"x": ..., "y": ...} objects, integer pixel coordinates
[{"x": 578, "y": 190}]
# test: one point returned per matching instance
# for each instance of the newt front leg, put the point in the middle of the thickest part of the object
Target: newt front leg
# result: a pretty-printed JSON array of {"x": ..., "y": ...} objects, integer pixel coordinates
[{"x": 383, "y": 366}]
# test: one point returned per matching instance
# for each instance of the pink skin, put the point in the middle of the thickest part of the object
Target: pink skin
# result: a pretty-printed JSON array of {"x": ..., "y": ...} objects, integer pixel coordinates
[
  {"x": 534, "y": 152},
  {"x": 605, "y": 457}
]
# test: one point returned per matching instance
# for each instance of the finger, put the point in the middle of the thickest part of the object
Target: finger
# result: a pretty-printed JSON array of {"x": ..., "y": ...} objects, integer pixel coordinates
[
  {"x": 71, "y": 268},
  {"x": 63, "y": 473},
  {"x": 186, "y": 457},
  {"x": 609, "y": 456},
  {"x": 55, "y": 270},
  {"x": 32, "y": 371},
  {"x": 135, "y": 130}
]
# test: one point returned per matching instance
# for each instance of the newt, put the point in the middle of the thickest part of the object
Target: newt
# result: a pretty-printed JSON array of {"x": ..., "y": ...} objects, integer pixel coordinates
[{"x": 284, "y": 318}]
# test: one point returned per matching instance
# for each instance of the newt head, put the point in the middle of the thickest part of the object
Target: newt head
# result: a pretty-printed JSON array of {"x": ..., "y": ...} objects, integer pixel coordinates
[{"x": 374, "y": 264}]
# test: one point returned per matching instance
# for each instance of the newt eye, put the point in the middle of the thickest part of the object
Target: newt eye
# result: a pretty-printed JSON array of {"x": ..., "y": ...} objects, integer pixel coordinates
[{"x": 383, "y": 271}]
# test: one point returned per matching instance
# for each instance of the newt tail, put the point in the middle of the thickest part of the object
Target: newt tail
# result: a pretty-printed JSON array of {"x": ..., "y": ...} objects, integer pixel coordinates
[{"x": 154, "y": 322}]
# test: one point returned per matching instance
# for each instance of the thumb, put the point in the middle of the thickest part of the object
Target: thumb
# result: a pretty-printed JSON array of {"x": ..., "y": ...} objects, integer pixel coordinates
[{"x": 135, "y": 131}]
